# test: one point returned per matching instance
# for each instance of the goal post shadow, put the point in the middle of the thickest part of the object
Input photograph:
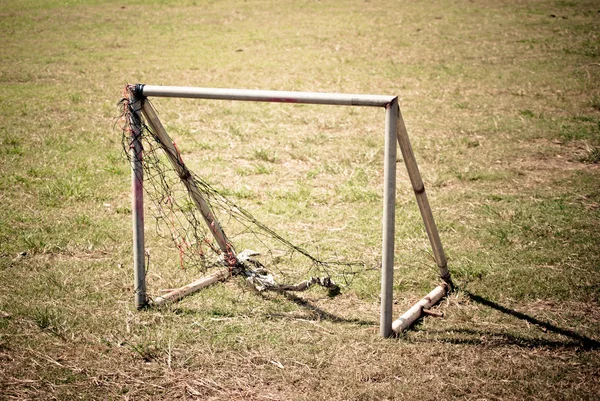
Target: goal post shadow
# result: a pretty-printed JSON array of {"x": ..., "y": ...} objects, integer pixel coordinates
[{"x": 395, "y": 136}]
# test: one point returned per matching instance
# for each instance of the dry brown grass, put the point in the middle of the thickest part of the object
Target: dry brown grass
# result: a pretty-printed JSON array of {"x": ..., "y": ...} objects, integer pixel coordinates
[{"x": 502, "y": 104}]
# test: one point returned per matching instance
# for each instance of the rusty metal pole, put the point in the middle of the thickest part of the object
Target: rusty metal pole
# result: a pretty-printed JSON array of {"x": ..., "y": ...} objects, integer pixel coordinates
[
  {"x": 184, "y": 174},
  {"x": 423, "y": 202},
  {"x": 137, "y": 200},
  {"x": 389, "y": 218},
  {"x": 253, "y": 95}
]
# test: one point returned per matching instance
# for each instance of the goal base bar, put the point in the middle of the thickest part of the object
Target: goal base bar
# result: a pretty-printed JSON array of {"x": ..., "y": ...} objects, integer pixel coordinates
[
  {"x": 417, "y": 310},
  {"x": 181, "y": 292}
]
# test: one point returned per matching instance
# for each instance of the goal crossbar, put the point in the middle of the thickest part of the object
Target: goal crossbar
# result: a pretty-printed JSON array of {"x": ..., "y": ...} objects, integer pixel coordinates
[
  {"x": 252, "y": 95},
  {"x": 395, "y": 132}
]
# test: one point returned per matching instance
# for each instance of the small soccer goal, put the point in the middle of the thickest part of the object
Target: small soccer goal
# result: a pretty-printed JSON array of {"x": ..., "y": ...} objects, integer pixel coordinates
[{"x": 222, "y": 238}]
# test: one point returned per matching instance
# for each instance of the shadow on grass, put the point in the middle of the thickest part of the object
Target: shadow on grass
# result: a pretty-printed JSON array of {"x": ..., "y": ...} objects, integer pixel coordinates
[
  {"x": 497, "y": 338},
  {"x": 579, "y": 340},
  {"x": 318, "y": 313},
  {"x": 324, "y": 315}
]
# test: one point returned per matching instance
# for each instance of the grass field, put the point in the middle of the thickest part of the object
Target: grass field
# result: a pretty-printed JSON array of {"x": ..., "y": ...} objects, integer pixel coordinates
[{"x": 502, "y": 103}]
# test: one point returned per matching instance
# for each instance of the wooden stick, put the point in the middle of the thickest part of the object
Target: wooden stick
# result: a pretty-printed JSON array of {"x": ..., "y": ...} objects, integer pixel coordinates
[
  {"x": 188, "y": 181},
  {"x": 179, "y": 293},
  {"x": 422, "y": 201},
  {"x": 415, "y": 312},
  {"x": 429, "y": 312}
]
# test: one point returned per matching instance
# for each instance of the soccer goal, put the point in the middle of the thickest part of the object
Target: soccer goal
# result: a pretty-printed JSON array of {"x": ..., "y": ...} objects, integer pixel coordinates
[{"x": 222, "y": 237}]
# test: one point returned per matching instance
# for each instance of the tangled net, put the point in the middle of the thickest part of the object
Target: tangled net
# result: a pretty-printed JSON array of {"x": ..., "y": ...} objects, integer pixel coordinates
[{"x": 204, "y": 243}]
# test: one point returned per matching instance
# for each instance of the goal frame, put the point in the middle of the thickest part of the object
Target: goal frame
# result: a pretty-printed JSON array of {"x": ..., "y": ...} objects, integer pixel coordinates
[{"x": 395, "y": 132}]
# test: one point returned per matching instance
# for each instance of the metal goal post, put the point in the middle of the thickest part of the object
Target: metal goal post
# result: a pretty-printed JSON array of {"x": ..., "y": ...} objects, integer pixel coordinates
[{"x": 395, "y": 132}]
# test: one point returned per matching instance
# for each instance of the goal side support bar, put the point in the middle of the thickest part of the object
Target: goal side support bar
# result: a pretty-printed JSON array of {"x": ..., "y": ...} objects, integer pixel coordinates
[
  {"x": 395, "y": 130},
  {"x": 184, "y": 174},
  {"x": 422, "y": 201}
]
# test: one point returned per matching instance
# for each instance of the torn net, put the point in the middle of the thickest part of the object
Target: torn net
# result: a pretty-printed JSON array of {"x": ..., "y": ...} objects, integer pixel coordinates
[{"x": 267, "y": 259}]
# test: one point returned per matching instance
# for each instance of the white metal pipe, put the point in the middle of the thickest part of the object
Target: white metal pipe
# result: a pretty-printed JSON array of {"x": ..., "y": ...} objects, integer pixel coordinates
[
  {"x": 415, "y": 312},
  {"x": 422, "y": 201},
  {"x": 179, "y": 293},
  {"x": 252, "y": 95},
  {"x": 137, "y": 203},
  {"x": 389, "y": 218},
  {"x": 173, "y": 155}
]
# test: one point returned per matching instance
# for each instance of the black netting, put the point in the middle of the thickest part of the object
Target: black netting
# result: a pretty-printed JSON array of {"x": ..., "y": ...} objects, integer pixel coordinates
[{"x": 252, "y": 247}]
